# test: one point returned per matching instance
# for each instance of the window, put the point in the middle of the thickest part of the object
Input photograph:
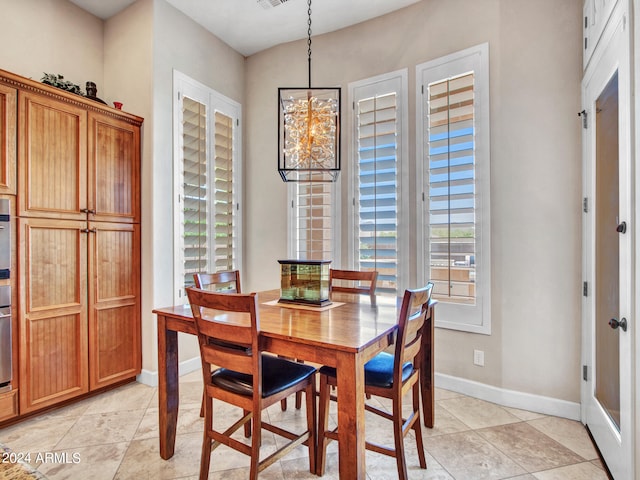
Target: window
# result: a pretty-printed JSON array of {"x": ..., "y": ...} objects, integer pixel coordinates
[
  {"x": 207, "y": 182},
  {"x": 313, "y": 221},
  {"x": 380, "y": 207},
  {"x": 454, "y": 151}
]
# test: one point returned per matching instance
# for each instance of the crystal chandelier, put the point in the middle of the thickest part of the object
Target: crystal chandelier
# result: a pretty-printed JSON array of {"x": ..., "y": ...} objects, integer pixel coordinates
[{"x": 309, "y": 130}]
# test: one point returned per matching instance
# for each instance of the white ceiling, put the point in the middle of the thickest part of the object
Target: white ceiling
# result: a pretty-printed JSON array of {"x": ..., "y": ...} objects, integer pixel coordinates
[{"x": 248, "y": 27}]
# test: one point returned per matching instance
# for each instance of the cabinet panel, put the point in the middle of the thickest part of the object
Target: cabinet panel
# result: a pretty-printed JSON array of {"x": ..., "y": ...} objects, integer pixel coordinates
[
  {"x": 7, "y": 140},
  {"x": 52, "y": 174},
  {"x": 114, "y": 169},
  {"x": 114, "y": 318},
  {"x": 8, "y": 405},
  {"x": 53, "y": 312}
]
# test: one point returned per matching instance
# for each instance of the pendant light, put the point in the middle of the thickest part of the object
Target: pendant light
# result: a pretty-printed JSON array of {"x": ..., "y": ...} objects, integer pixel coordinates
[{"x": 309, "y": 130}]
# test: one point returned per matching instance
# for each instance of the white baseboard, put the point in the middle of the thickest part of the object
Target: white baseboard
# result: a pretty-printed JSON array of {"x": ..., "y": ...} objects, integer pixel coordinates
[
  {"x": 148, "y": 377},
  {"x": 500, "y": 396},
  {"x": 510, "y": 398}
]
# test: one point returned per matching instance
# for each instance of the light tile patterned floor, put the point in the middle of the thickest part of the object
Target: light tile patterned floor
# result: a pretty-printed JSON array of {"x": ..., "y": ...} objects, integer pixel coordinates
[{"x": 114, "y": 436}]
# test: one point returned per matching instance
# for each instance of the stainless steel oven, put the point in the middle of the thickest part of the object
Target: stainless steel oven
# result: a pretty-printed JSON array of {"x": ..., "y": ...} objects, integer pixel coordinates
[
  {"x": 5, "y": 297},
  {"x": 5, "y": 338},
  {"x": 5, "y": 239}
]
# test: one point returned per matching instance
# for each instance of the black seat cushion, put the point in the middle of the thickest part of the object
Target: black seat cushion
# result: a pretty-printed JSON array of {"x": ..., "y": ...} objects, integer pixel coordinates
[
  {"x": 277, "y": 374},
  {"x": 378, "y": 372}
]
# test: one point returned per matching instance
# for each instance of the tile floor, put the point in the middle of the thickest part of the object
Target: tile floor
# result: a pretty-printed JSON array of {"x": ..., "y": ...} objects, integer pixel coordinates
[{"x": 114, "y": 436}]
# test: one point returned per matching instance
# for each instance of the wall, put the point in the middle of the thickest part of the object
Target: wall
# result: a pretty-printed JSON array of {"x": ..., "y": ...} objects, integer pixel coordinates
[
  {"x": 128, "y": 39},
  {"x": 52, "y": 36},
  {"x": 535, "y": 73},
  {"x": 179, "y": 44}
]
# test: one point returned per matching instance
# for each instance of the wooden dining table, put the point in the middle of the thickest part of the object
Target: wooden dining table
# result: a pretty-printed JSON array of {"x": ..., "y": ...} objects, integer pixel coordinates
[{"x": 344, "y": 335}]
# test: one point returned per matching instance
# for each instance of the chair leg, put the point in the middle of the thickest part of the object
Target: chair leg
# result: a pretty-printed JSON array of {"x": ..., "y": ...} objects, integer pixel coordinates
[
  {"x": 398, "y": 438},
  {"x": 205, "y": 456},
  {"x": 310, "y": 395},
  {"x": 417, "y": 427},
  {"x": 256, "y": 425},
  {"x": 298, "y": 400},
  {"x": 247, "y": 426},
  {"x": 323, "y": 425},
  {"x": 283, "y": 404}
]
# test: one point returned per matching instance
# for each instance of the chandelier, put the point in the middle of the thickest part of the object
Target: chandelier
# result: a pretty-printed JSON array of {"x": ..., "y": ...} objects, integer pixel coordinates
[{"x": 309, "y": 130}]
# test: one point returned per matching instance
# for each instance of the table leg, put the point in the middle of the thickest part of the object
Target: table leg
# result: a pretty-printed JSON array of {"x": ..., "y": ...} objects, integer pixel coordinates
[
  {"x": 427, "y": 369},
  {"x": 167, "y": 387},
  {"x": 350, "y": 377}
]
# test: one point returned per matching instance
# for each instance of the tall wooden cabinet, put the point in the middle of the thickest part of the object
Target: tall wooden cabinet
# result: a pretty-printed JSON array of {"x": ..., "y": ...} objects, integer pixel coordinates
[
  {"x": 8, "y": 100},
  {"x": 78, "y": 208}
]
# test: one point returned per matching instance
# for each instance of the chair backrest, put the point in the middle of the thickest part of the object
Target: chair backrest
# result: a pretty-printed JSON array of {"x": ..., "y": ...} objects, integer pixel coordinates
[
  {"x": 222, "y": 282},
  {"x": 350, "y": 281},
  {"x": 227, "y": 341},
  {"x": 413, "y": 312}
]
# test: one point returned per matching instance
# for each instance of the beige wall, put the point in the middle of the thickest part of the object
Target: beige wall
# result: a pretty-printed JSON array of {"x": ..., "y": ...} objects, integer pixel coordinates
[
  {"x": 535, "y": 73},
  {"x": 128, "y": 38},
  {"x": 52, "y": 36},
  {"x": 179, "y": 44}
]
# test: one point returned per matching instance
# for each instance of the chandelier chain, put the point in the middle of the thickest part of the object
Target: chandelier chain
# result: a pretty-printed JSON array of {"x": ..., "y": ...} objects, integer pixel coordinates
[{"x": 309, "y": 38}]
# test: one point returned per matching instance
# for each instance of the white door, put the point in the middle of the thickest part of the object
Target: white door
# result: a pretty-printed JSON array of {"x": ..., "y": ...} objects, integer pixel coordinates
[{"x": 607, "y": 312}]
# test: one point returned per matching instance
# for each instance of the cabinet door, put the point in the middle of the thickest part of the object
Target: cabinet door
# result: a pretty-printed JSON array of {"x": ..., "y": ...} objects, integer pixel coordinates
[
  {"x": 114, "y": 169},
  {"x": 7, "y": 140},
  {"x": 52, "y": 157},
  {"x": 53, "y": 311},
  {"x": 114, "y": 303}
]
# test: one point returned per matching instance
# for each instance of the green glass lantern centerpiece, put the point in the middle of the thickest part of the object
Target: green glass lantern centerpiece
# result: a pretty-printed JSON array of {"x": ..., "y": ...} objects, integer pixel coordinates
[{"x": 305, "y": 282}]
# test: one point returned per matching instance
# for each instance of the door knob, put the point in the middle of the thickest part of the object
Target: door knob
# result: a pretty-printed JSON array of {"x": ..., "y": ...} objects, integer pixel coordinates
[
  {"x": 622, "y": 228},
  {"x": 614, "y": 323}
]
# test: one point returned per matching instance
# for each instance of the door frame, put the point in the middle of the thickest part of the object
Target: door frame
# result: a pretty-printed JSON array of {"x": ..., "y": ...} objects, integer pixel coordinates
[{"x": 611, "y": 54}]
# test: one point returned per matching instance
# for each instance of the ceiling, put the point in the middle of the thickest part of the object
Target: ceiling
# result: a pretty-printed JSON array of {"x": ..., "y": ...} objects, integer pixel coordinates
[{"x": 248, "y": 27}]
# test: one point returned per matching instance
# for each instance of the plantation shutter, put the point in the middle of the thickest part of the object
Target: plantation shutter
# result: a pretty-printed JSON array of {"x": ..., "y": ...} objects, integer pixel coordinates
[
  {"x": 194, "y": 126},
  {"x": 223, "y": 198},
  {"x": 313, "y": 220},
  {"x": 377, "y": 188},
  {"x": 451, "y": 180}
]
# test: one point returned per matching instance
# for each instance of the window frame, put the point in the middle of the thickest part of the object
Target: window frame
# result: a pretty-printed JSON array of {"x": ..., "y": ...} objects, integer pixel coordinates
[
  {"x": 292, "y": 218},
  {"x": 184, "y": 85},
  {"x": 469, "y": 318},
  {"x": 392, "y": 81}
]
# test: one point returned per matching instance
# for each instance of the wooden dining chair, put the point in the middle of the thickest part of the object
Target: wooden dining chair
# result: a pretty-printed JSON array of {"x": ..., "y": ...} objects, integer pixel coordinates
[
  {"x": 222, "y": 282},
  {"x": 227, "y": 281},
  {"x": 389, "y": 376},
  {"x": 247, "y": 378},
  {"x": 354, "y": 281}
]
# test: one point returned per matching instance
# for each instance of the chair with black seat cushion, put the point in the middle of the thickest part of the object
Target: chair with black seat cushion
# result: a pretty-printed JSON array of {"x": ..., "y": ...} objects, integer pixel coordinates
[
  {"x": 246, "y": 377},
  {"x": 221, "y": 282},
  {"x": 351, "y": 281},
  {"x": 390, "y": 376},
  {"x": 227, "y": 281}
]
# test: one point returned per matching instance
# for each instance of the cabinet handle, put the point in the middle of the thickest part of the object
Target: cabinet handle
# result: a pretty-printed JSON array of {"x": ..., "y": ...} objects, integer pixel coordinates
[
  {"x": 89, "y": 230},
  {"x": 87, "y": 210},
  {"x": 84, "y": 230}
]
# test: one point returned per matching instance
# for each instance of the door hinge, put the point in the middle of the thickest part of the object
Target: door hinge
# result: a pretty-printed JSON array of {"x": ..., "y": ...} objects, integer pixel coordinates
[
  {"x": 585, "y": 373},
  {"x": 585, "y": 289},
  {"x": 584, "y": 116},
  {"x": 585, "y": 205}
]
